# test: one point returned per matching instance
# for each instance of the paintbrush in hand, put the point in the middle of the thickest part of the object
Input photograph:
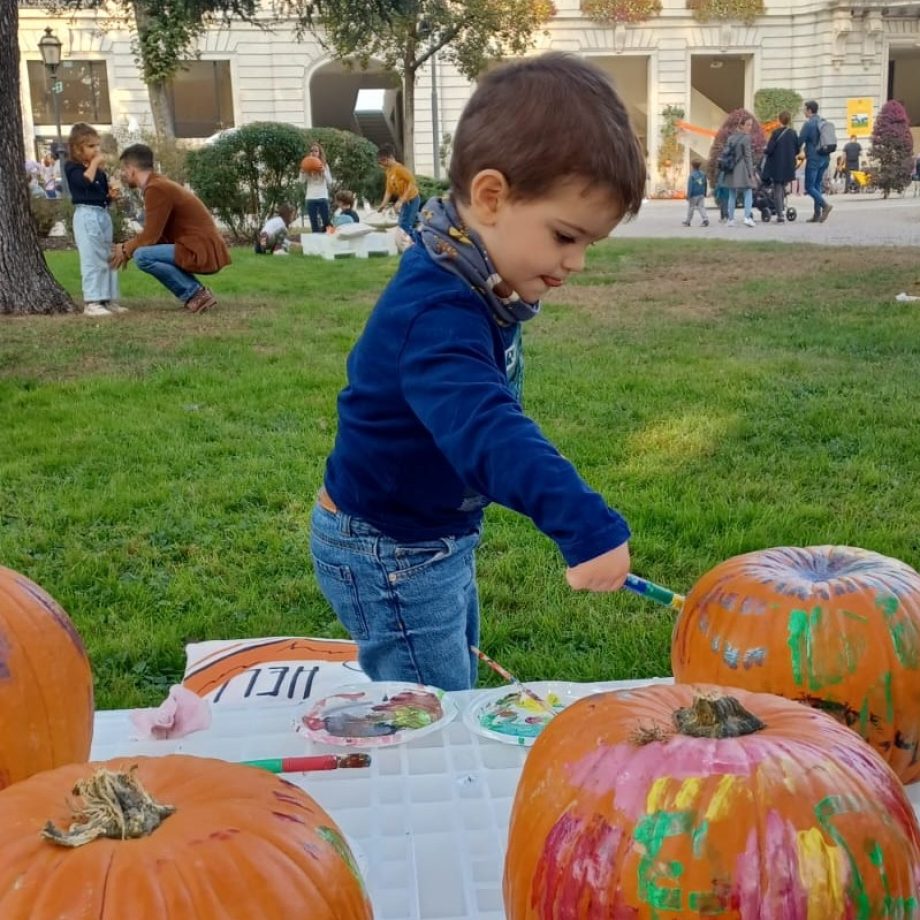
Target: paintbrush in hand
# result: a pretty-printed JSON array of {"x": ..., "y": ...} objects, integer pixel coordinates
[{"x": 498, "y": 669}]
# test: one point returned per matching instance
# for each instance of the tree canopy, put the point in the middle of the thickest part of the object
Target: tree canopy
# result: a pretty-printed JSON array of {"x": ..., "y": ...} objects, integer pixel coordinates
[{"x": 403, "y": 35}]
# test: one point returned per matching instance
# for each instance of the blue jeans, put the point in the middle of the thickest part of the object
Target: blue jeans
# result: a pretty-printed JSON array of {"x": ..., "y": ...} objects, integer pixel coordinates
[
  {"x": 412, "y": 608},
  {"x": 92, "y": 231},
  {"x": 160, "y": 261},
  {"x": 408, "y": 214},
  {"x": 814, "y": 182},
  {"x": 748, "y": 202},
  {"x": 318, "y": 212}
]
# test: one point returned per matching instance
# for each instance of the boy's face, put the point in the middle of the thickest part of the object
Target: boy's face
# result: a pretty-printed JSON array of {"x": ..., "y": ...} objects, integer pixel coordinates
[{"x": 536, "y": 244}]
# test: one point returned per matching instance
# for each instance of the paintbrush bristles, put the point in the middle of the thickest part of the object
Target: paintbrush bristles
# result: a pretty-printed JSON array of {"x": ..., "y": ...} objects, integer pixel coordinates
[{"x": 504, "y": 672}]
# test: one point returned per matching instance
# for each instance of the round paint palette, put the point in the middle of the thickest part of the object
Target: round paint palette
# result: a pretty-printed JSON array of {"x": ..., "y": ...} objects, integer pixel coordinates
[
  {"x": 505, "y": 714},
  {"x": 378, "y": 714}
]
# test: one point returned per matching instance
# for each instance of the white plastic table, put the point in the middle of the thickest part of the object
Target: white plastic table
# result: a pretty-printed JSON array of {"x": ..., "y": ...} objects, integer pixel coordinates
[{"x": 429, "y": 818}]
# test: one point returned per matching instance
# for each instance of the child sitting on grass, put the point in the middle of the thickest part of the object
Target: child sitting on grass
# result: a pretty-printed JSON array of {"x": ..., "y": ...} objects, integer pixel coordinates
[
  {"x": 345, "y": 212},
  {"x": 273, "y": 236},
  {"x": 430, "y": 424}
]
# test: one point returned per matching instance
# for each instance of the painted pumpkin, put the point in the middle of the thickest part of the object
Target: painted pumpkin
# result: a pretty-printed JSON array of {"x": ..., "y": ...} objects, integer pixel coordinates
[
  {"x": 46, "y": 685},
  {"x": 213, "y": 840},
  {"x": 832, "y": 626},
  {"x": 673, "y": 802}
]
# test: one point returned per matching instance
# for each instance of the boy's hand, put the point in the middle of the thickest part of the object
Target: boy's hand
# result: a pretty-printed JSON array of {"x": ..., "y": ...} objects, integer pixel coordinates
[{"x": 606, "y": 572}]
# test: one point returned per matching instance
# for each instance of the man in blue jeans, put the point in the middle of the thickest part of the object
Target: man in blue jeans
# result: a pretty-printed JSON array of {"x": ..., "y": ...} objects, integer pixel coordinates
[
  {"x": 815, "y": 163},
  {"x": 179, "y": 238}
]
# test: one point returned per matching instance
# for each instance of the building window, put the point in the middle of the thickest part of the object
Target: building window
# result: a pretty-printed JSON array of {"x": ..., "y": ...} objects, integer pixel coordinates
[
  {"x": 202, "y": 98},
  {"x": 84, "y": 97}
]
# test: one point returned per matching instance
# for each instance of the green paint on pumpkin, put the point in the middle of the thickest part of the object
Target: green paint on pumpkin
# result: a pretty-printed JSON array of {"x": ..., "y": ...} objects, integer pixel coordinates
[{"x": 904, "y": 634}]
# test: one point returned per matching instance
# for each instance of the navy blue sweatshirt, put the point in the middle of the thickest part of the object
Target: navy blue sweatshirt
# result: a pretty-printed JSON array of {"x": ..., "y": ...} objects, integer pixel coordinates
[
  {"x": 82, "y": 191},
  {"x": 431, "y": 428}
]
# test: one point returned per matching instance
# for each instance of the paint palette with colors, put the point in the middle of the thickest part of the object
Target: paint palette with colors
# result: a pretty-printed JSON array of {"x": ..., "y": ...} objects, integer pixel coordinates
[
  {"x": 505, "y": 714},
  {"x": 377, "y": 714}
]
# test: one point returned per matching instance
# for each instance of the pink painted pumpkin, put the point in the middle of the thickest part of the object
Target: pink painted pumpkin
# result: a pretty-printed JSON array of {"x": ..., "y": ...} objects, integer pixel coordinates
[{"x": 676, "y": 802}]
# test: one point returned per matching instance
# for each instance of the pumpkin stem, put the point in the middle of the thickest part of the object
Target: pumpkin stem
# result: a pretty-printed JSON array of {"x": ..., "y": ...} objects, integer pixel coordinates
[
  {"x": 114, "y": 805},
  {"x": 723, "y": 717}
]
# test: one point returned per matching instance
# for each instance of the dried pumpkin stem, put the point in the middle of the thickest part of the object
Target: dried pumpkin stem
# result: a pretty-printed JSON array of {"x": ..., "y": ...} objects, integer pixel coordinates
[
  {"x": 114, "y": 805},
  {"x": 724, "y": 717}
]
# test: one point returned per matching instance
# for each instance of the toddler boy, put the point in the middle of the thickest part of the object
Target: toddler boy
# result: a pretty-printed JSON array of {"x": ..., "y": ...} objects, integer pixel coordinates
[
  {"x": 696, "y": 193},
  {"x": 430, "y": 423}
]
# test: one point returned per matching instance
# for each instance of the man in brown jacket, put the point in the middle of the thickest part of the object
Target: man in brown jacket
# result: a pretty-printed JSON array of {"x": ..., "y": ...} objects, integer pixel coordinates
[{"x": 179, "y": 238}]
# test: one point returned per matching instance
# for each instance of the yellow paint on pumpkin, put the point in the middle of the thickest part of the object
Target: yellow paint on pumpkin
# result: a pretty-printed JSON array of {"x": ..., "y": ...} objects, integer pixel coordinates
[
  {"x": 670, "y": 794},
  {"x": 721, "y": 798},
  {"x": 821, "y": 869},
  {"x": 657, "y": 795},
  {"x": 688, "y": 793}
]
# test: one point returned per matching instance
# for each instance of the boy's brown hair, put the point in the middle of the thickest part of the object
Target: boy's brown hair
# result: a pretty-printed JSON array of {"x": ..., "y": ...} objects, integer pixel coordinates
[
  {"x": 696, "y": 162},
  {"x": 545, "y": 119},
  {"x": 345, "y": 198},
  {"x": 80, "y": 133}
]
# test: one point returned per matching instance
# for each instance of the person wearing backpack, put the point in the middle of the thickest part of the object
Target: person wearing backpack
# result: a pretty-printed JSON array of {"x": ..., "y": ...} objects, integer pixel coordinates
[
  {"x": 696, "y": 193},
  {"x": 779, "y": 163},
  {"x": 817, "y": 158},
  {"x": 737, "y": 162}
]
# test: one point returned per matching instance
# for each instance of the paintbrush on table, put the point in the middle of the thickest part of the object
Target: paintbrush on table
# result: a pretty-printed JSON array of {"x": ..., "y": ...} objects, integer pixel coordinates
[
  {"x": 309, "y": 764},
  {"x": 498, "y": 669}
]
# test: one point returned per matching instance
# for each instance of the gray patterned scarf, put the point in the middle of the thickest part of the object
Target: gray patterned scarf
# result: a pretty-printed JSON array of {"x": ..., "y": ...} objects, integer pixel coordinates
[{"x": 460, "y": 250}]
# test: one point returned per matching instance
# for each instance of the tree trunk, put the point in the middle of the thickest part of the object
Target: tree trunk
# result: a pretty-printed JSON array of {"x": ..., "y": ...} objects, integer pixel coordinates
[
  {"x": 409, "y": 68},
  {"x": 160, "y": 105},
  {"x": 162, "y": 111},
  {"x": 27, "y": 286}
]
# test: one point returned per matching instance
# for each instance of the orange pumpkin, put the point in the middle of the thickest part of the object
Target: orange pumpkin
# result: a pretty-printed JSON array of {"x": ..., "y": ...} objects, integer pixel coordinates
[
  {"x": 216, "y": 841},
  {"x": 673, "y": 802},
  {"x": 310, "y": 164},
  {"x": 832, "y": 626},
  {"x": 46, "y": 685}
]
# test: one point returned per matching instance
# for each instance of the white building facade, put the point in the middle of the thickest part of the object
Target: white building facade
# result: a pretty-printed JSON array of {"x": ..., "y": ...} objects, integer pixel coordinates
[{"x": 826, "y": 50}]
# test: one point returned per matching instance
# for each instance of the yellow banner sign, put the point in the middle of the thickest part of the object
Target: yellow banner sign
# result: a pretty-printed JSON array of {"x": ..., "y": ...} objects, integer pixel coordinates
[{"x": 860, "y": 117}]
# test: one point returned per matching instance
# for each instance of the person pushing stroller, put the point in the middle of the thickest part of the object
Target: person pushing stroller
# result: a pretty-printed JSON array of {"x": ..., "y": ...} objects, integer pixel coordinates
[{"x": 779, "y": 166}]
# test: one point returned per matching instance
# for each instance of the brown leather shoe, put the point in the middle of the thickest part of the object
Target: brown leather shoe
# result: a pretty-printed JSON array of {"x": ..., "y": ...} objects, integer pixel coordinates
[
  {"x": 201, "y": 301},
  {"x": 827, "y": 210}
]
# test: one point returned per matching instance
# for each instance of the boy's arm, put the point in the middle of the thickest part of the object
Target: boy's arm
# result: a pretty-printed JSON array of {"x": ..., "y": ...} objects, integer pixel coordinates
[{"x": 449, "y": 377}]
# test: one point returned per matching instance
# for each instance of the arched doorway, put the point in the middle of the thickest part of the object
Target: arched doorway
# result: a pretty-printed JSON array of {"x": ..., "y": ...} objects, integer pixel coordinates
[{"x": 366, "y": 102}]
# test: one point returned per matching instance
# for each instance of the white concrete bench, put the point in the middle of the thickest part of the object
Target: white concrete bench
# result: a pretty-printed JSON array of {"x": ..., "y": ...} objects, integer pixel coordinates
[{"x": 332, "y": 246}]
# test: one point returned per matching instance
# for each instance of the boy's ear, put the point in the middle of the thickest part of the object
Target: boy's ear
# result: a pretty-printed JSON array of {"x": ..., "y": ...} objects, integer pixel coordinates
[{"x": 489, "y": 191}]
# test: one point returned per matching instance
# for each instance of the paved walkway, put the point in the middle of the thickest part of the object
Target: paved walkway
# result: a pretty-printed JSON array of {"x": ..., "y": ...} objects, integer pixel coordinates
[{"x": 857, "y": 220}]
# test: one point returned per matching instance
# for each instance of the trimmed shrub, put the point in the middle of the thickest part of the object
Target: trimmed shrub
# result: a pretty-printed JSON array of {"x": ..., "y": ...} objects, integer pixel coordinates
[
  {"x": 768, "y": 103},
  {"x": 729, "y": 126},
  {"x": 892, "y": 148},
  {"x": 247, "y": 173},
  {"x": 429, "y": 187},
  {"x": 45, "y": 214}
]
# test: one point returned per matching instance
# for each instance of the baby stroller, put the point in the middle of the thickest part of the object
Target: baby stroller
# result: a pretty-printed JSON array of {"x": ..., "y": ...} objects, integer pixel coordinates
[{"x": 765, "y": 203}]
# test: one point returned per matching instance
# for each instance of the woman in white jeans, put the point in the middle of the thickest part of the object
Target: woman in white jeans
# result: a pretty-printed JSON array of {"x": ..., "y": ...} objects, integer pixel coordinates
[{"x": 92, "y": 225}]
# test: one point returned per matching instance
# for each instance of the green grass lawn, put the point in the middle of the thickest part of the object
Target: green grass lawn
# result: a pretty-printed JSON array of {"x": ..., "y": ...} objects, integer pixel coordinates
[{"x": 157, "y": 469}]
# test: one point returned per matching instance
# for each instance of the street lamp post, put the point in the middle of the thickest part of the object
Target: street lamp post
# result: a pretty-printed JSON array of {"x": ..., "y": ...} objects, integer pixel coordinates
[
  {"x": 50, "y": 47},
  {"x": 436, "y": 143},
  {"x": 426, "y": 31}
]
